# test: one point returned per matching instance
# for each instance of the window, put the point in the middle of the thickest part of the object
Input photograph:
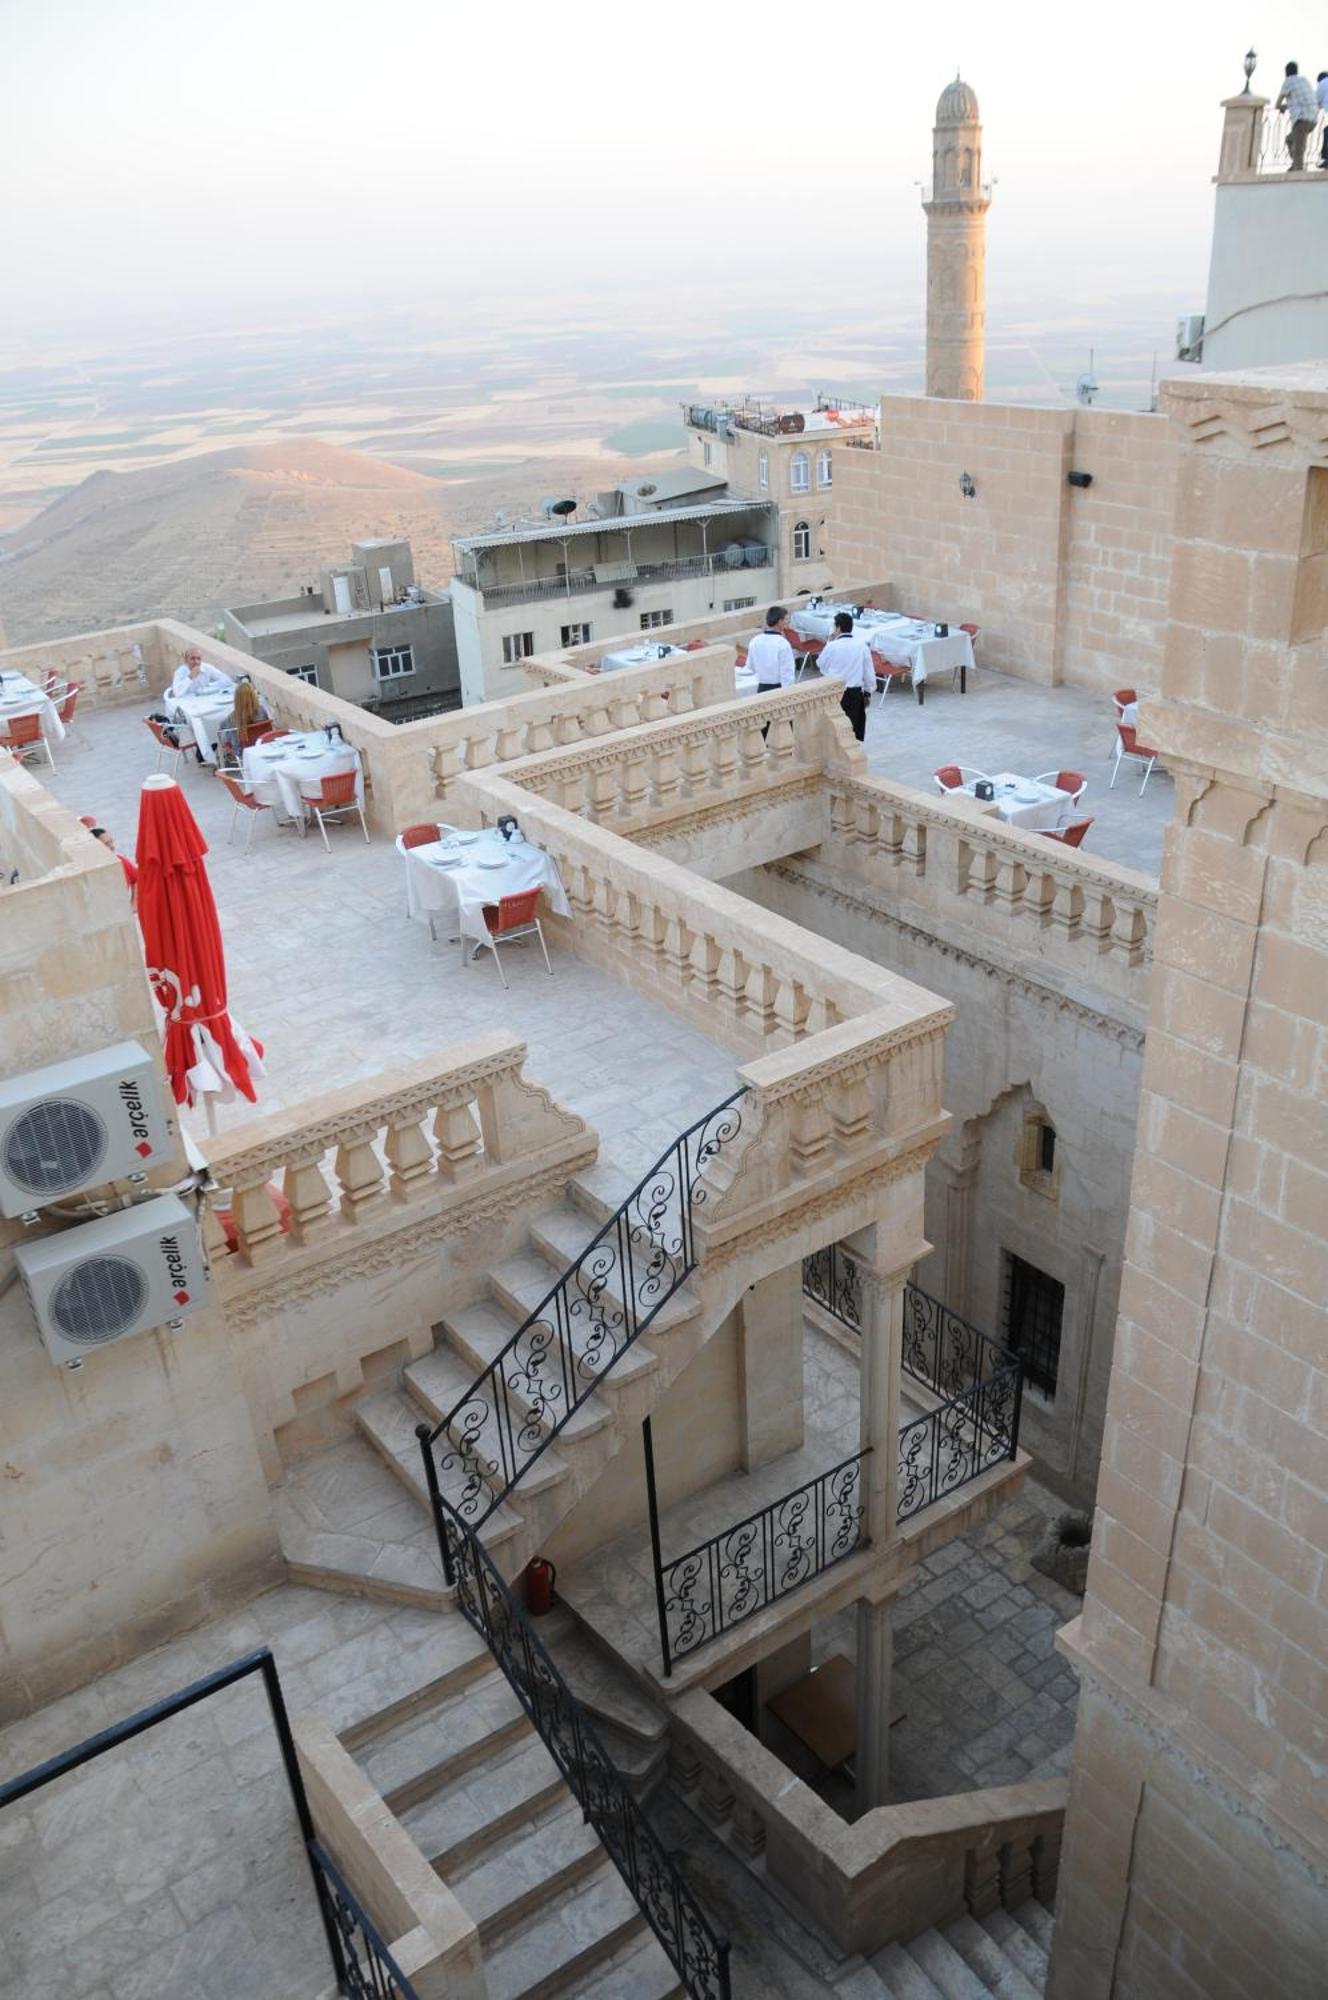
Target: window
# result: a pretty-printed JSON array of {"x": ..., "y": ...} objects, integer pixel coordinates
[
  {"x": 802, "y": 541},
  {"x": 576, "y": 635},
  {"x": 763, "y": 470},
  {"x": 799, "y": 473},
  {"x": 1037, "y": 1158},
  {"x": 392, "y": 663},
  {"x": 739, "y": 603},
  {"x": 309, "y": 674},
  {"x": 517, "y": 646},
  {"x": 1034, "y": 1304},
  {"x": 824, "y": 468},
  {"x": 652, "y": 620},
  {"x": 706, "y": 454}
]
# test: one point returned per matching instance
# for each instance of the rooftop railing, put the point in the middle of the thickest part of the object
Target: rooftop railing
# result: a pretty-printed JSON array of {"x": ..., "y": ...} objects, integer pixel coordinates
[
  {"x": 1275, "y": 143},
  {"x": 584, "y": 582}
]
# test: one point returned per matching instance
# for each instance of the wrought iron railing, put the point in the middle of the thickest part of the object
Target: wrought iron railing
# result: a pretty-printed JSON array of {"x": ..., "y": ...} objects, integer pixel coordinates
[
  {"x": 583, "y": 583},
  {"x": 1275, "y": 143},
  {"x": 956, "y": 1443},
  {"x": 580, "y": 1329},
  {"x": 977, "y": 1425},
  {"x": 698, "y": 1954},
  {"x": 742, "y": 1569},
  {"x": 362, "y": 1964}
]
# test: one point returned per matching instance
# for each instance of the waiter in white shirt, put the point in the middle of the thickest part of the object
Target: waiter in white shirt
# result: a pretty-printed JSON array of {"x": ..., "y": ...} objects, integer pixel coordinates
[
  {"x": 195, "y": 676},
  {"x": 849, "y": 659},
  {"x": 770, "y": 656}
]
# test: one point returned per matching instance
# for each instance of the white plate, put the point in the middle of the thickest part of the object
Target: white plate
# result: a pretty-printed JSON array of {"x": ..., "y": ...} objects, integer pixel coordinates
[
  {"x": 467, "y": 839},
  {"x": 491, "y": 862},
  {"x": 444, "y": 860}
]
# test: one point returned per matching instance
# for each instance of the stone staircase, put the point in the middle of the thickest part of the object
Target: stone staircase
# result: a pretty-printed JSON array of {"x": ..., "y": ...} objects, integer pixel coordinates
[
  {"x": 457, "y": 1760},
  {"x": 1004, "y": 1954},
  {"x": 343, "y": 1529}
]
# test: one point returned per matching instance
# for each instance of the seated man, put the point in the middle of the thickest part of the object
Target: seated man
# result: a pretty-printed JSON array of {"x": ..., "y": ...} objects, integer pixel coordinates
[{"x": 195, "y": 676}]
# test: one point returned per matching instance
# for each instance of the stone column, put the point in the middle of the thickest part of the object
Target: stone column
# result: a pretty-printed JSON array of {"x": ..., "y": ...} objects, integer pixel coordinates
[
  {"x": 1242, "y": 135},
  {"x": 875, "y": 1661},
  {"x": 769, "y": 1325}
]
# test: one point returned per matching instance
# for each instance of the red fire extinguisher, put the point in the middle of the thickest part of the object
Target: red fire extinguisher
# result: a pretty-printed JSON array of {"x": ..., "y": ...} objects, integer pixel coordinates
[{"x": 540, "y": 1577}]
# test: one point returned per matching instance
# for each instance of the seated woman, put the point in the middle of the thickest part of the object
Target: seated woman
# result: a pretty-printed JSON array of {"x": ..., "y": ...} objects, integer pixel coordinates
[{"x": 244, "y": 723}]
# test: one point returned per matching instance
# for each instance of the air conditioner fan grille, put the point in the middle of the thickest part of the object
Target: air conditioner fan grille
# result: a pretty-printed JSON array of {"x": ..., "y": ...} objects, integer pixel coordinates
[
  {"x": 53, "y": 1146},
  {"x": 98, "y": 1300}
]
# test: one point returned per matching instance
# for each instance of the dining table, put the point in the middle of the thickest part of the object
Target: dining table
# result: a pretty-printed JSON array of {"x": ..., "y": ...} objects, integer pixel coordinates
[
  {"x": 644, "y": 655},
  {"x": 450, "y": 880},
  {"x": 1027, "y": 802},
  {"x": 284, "y": 773},
  {"x": 21, "y": 696},
  {"x": 915, "y": 644},
  {"x": 203, "y": 714}
]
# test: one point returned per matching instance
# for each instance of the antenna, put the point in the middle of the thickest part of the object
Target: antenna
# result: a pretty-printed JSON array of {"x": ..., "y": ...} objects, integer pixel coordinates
[{"x": 1086, "y": 387}]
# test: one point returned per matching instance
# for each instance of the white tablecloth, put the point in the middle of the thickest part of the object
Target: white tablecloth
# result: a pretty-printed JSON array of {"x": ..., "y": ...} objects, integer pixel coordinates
[
  {"x": 284, "y": 773},
  {"x": 1023, "y": 802},
  {"x": 204, "y": 715},
  {"x": 20, "y": 696},
  {"x": 458, "y": 893},
  {"x": 644, "y": 655},
  {"x": 912, "y": 643},
  {"x": 1129, "y": 715}
]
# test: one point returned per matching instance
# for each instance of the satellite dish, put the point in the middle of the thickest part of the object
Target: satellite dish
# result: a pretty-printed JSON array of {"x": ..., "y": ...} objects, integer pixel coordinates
[
  {"x": 1086, "y": 387},
  {"x": 646, "y": 488},
  {"x": 500, "y": 519},
  {"x": 558, "y": 509}
]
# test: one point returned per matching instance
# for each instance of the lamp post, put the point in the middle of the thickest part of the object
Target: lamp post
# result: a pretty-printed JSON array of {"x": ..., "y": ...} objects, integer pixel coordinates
[{"x": 1250, "y": 60}]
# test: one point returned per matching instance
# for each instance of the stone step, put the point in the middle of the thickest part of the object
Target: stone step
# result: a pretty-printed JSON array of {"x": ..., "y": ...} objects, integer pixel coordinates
[
  {"x": 602, "y": 1686},
  {"x": 346, "y": 1525},
  {"x": 468, "y": 1814},
  {"x": 450, "y": 1382},
  {"x": 418, "y": 1678},
  {"x": 477, "y": 1335},
  {"x": 559, "y": 1946},
  {"x": 1018, "y": 1946},
  {"x": 359, "y": 1566},
  {"x": 561, "y": 1235},
  {"x": 522, "y": 1283},
  {"x": 600, "y": 1189},
  {"x": 533, "y": 1867},
  {"x": 999, "y": 1973},
  {"x": 902, "y": 1976},
  {"x": 436, "y": 1746},
  {"x": 1037, "y": 1920},
  {"x": 950, "y": 1974},
  {"x": 644, "y": 1972},
  {"x": 388, "y": 1421}
]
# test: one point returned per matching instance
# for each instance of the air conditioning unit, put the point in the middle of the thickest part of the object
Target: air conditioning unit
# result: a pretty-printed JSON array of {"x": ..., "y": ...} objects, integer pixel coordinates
[
  {"x": 1189, "y": 337},
  {"x": 123, "y": 1274},
  {"x": 79, "y": 1124}
]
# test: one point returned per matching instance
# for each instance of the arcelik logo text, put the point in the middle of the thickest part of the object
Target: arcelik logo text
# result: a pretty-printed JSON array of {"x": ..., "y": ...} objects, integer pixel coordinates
[
  {"x": 170, "y": 1250},
  {"x": 137, "y": 1116}
]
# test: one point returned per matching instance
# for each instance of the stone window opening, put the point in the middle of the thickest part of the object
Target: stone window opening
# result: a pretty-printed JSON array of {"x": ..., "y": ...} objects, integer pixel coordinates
[
  {"x": 763, "y": 470},
  {"x": 799, "y": 472},
  {"x": 1039, "y": 1156},
  {"x": 802, "y": 541},
  {"x": 1034, "y": 1311}
]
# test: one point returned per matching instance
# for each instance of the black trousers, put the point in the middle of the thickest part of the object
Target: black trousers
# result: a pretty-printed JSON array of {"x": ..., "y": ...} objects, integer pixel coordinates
[{"x": 853, "y": 701}]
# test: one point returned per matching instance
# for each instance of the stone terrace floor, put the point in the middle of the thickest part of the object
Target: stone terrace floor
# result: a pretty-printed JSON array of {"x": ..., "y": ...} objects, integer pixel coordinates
[
  {"x": 173, "y": 1865},
  {"x": 1003, "y": 724},
  {"x": 327, "y": 970}
]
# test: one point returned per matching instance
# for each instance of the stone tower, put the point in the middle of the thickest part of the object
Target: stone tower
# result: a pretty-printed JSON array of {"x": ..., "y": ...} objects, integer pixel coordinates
[{"x": 956, "y": 250}]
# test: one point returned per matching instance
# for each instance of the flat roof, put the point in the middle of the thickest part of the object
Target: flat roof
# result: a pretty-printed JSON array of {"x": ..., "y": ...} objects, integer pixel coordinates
[{"x": 616, "y": 524}]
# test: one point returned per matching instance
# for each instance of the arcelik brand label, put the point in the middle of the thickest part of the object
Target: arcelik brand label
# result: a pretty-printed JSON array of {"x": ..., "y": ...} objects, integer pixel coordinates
[
  {"x": 170, "y": 1250},
  {"x": 137, "y": 1115}
]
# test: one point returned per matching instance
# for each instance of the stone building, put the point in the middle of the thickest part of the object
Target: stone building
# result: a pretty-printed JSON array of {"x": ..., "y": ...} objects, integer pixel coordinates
[{"x": 957, "y": 249}]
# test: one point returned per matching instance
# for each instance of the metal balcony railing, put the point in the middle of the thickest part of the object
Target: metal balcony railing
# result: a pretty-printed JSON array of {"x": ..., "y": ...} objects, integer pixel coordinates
[
  {"x": 1275, "y": 144},
  {"x": 584, "y": 582}
]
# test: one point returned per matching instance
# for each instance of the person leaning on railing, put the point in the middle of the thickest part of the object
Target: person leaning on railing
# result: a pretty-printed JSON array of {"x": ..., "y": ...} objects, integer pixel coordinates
[{"x": 1297, "y": 98}]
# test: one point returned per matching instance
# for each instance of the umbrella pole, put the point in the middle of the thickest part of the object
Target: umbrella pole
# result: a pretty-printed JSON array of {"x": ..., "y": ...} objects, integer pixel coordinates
[{"x": 210, "y": 1113}]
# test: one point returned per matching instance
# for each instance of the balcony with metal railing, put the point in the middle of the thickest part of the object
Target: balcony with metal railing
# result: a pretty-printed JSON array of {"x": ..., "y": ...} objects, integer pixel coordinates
[{"x": 586, "y": 582}]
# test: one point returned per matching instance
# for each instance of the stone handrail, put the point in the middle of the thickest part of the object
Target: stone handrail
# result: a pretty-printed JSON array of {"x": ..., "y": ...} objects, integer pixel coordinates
[
  {"x": 642, "y": 777},
  {"x": 737, "y": 626},
  {"x": 428, "y": 1131},
  {"x": 891, "y": 1874},
  {"x": 957, "y": 862},
  {"x": 109, "y": 666}
]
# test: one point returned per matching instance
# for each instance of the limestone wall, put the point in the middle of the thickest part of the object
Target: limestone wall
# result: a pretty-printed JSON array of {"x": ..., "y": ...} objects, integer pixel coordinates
[{"x": 1067, "y": 583}]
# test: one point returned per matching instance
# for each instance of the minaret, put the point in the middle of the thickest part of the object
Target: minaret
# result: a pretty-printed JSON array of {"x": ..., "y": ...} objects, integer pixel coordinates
[{"x": 956, "y": 250}]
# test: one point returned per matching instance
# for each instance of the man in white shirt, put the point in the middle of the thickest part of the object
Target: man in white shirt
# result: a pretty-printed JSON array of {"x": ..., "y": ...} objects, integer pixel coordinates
[
  {"x": 849, "y": 659},
  {"x": 195, "y": 676},
  {"x": 1297, "y": 99},
  {"x": 770, "y": 656}
]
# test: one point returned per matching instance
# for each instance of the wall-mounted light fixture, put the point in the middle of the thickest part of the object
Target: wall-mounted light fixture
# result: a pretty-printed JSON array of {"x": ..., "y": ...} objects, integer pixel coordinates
[
  {"x": 966, "y": 486},
  {"x": 1250, "y": 60},
  {"x": 1079, "y": 478}
]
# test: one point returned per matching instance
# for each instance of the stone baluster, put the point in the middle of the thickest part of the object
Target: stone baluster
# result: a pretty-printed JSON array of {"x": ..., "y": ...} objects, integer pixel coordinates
[
  {"x": 257, "y": 1225},
  {"x": 810, "y": 1135},
  {"x": 635, "y": 782},
  {"x": 460, "y": 1143},
  {"x": 703, "y": 964},
  {"x": 567, "y": 728},
  {"x": 214, "y": 1236},
  {"x": 730, "y": 984},
  {"x": 1068, "y": 907},
  {"x": 724, "y": 760},
  {"x": 982, "y": 1880},
  {"x": 1040, "y": 894},
  {"x": 448, "y": 763},
  {"x": 759, "y": 1000},
  {"x": 841, "y": 814},
  {"x": 539, "y": 736},
  {"x": 820, "y": 1014},
  {"x": 695, "y": 768},
  {"x": 748, "y": 1829},
  {"x": 781, "y": 744},
  {"x": 1045, "y": 1857},
  {"x": 979, "y": 880},
  {"x": 1009, "y": 880},
  {"x": 667, "y": 778},
  {"x": 479, "y": 751},
  {"x": 409, "y": 1155},
  {"x": 654, "y": 706},
  {"x": 1099, "y": 919},
  {"x": 305, "y": 1188},
  {"x": 684, "y": 1764},
  {"x": 675, "y": 949},
  {"x": 913, "y": 845},
  {"x": 683, "y": 698},
  {"x": 360, "y": 1172},
  {"x": 510, "y": 743},
  {"x": 603, "y": 795},
  {"x": 1129, "y": 934},
  {"x": 602, "y": 916},
  {"x": 1016, "y": 1872},
  {"x": 570, "y": 792},
  {"x": 790, "y": 1012},
  {"x": 851, "y": 1108},
  {"x": 597, "y": 721},
  {"x": 714, "y": 1796},
  {"x": 626, "y": 712},
  {"x": 751, "y": 748}
]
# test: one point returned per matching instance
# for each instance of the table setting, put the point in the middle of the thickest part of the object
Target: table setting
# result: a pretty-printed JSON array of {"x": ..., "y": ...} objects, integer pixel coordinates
[
  {"x": 283, "y": 773},
  {"x": 1025, "y": 802},
  {"x": 450, "y": 880},
  {"x": 917, "y": 644},
  {"x": 203, "y": 715},
  {"x": 644, "y": 655},
  {"x": 21, "y": 696}
]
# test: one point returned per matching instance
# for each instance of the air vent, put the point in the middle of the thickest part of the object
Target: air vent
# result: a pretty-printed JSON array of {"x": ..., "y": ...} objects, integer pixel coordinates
[
  {"x": 99, "y": 1300},
  {"x": 53, "y": 1145}
]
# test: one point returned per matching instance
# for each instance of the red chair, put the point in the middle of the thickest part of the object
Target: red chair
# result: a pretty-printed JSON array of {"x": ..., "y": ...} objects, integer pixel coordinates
[
  {"x": 513, "y": 918},
  {"x": 257, "y": 732},
  {"x": 887, "y": 673},
  {"x": 806, "y": 649},
  {"x": 334, "y": 799},
  {"x": 696, "y": 645},
  {"x": 1123, "y": 697},
  {"x": 955, "y": 778},
  {"x": 1068, "y": 836},
  {"x": 24, "y": 738},
  {"x": 974, "y": 632},
  {"x": 165, "y": 748},
  {"x": 1130, "y": 750},
  {"x": 269, "y": 735},
  {"x": 419, "y": 835},
  {"x": 241, "y": 800},
  {"x": 67, "y": 703},
  {"x": 1072, "y": 782}
]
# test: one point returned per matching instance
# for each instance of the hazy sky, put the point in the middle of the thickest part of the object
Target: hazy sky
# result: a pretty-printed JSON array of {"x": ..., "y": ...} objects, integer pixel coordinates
[{"x": 199, "y": 162}]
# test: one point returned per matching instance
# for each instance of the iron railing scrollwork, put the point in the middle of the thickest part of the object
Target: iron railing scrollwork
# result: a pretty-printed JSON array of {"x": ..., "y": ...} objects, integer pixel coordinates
[
  {"x": 366, "y": 1969},
  {"x": 830, "y": 1280},
  {"x": 960, "y": 1440},
  {"x": 698, "y": 1954},
  {"x": 944, "y": 1351},
  {"x": 584, "y": 1324},
  {"x": 751, "y": 1565}
]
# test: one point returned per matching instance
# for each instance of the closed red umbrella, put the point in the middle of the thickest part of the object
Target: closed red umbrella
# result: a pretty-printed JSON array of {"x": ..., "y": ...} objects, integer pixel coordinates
[{"x": 208, "y": 1054}]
